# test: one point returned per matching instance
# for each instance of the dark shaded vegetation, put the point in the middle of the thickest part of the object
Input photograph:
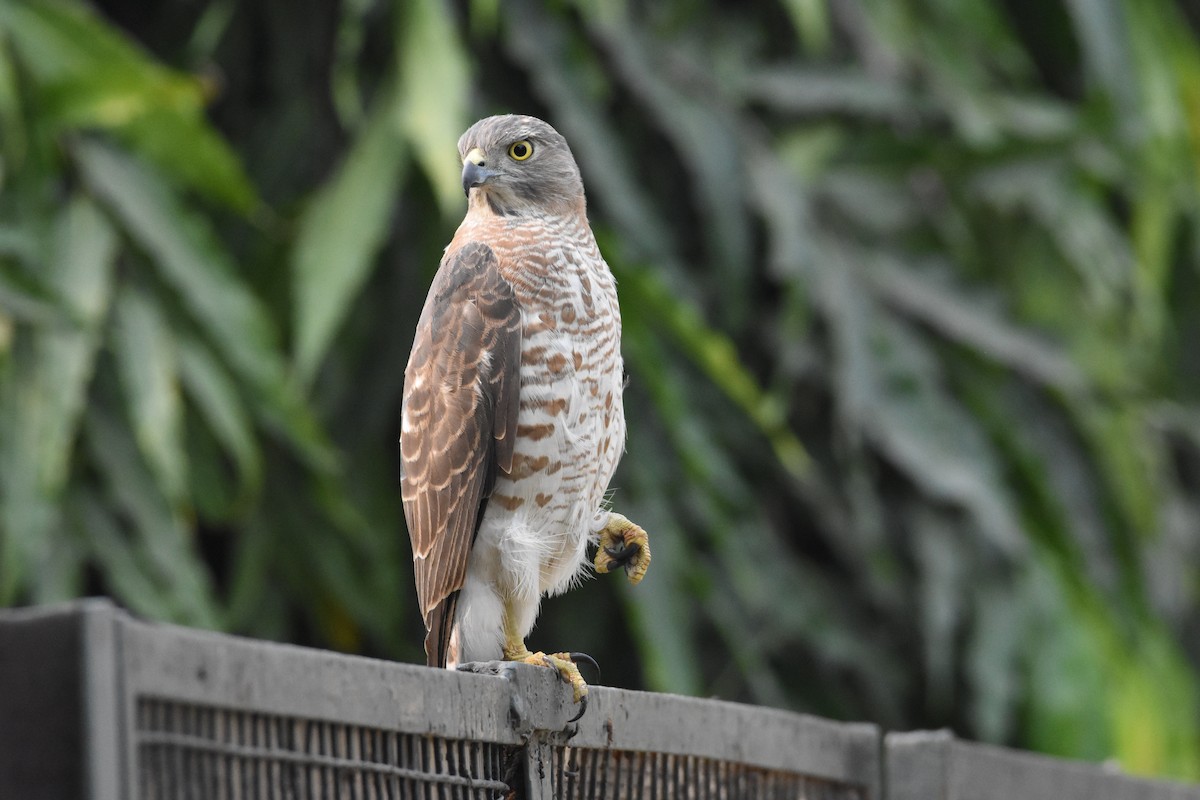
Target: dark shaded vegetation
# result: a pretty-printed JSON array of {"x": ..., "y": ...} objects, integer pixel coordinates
[{"x": 911, "y": 305}]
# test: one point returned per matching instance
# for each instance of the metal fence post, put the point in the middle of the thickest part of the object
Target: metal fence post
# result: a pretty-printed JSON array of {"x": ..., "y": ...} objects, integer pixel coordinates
[{"x": 59, "y": 722}]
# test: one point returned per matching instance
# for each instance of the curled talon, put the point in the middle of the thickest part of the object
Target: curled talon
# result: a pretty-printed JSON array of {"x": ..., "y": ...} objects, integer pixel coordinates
[
  {"x": 582, "y": 709},
  {"x": 623, "y": 556},
  {"x": 577, "y": 657}
]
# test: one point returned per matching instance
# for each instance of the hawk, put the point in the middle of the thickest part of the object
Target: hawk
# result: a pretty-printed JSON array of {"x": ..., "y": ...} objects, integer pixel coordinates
[{"x": 512, "y": 422}]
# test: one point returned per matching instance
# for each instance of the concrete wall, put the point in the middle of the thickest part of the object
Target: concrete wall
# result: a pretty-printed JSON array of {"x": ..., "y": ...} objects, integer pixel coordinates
[{"x": 97, "y": 705}]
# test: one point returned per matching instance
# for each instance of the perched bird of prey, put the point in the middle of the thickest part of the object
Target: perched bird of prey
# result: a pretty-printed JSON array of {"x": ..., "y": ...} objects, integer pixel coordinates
[{"x": 512, "y": 421}]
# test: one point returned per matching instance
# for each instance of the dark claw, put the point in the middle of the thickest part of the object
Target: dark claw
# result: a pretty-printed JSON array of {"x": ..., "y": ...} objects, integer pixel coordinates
[
  {"x": 577, "y": 657},
  {"x": 582, "y": 708},
  {"x": 624, "y": 556}
]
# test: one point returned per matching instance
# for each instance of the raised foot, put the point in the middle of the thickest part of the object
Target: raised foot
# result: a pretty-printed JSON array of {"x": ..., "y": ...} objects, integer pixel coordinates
[{"x": 623, "y": 544}]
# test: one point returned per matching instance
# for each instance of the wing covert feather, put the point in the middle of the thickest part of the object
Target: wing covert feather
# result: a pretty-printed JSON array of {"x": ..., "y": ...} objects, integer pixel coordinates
[{"x": 461, "y": 398}]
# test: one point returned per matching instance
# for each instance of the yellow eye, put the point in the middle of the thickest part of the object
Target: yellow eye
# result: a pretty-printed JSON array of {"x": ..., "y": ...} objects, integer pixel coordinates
[{"x": 519, "y": 151}]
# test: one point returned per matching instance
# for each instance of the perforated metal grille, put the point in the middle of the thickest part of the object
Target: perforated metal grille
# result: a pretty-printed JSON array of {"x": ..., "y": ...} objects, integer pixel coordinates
[
  {"x": 188, "y": 752},
  {"x": 588, "y": 774}
]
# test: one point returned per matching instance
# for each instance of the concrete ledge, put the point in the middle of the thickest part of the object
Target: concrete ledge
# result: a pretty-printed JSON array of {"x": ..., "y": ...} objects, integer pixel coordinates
[
  {"x": 95, "y": 704},
  {"x": 933, "y": 764}
]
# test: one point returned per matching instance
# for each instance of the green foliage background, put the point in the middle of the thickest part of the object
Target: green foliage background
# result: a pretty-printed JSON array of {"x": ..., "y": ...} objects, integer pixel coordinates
[{"x": 912, "y": 318}]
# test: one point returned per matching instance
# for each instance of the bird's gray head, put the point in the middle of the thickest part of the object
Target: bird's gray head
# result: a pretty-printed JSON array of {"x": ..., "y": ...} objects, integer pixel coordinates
[{"x": 519, "y": 166}]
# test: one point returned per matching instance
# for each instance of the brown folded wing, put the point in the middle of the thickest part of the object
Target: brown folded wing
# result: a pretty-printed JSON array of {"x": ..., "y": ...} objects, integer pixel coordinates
[{"x": 461, "y": 398}]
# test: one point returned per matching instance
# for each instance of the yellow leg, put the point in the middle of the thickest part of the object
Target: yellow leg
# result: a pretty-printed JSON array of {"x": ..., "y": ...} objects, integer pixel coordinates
[
  {"x": 623, "y": 543},
  {"x": 515, "y": 650}
]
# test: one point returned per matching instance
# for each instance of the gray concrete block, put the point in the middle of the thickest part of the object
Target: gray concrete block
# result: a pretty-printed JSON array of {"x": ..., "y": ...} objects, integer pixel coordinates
[{"x": 933, "y": 765}]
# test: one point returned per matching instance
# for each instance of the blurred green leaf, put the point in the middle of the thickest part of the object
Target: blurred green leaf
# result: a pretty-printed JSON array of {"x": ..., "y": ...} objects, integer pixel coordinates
[
  {"x": 1131, "y": 463},
  {"x": 123, "y": 562},
  {"x": 1153, "y": 723},
  {"x": 89, "y": 76},
  {"x": 810, "y": 18},
  {"x": 1065, "y": 717},
  {"x": 934, "y": 437},
  {"x": 250, "y": 595},
  {"x": 1089, "y": 240},
  {"x": 159, "y": 534},
  {"x": 341, "y": 233},
  {"x": 1101, "y": 27},
  {"x": 943, "y": 559},
  {"x": 149, "y": 366},
  {"x": 697, "y": 128},
  {"x": 344, "y": 80},
  {"x": 433, "y": 75},
  {"x": 12, "y": 127},
  {"x": 42, "y": 387},
  {"x": 907, "y": 289},
  {"x": 215, "y": 394},
  {"x": 484, "y": 15},
  {"x": 81, "y": 267},
  {"x": 715, "y": 354},
  {"x": 189, "y": 257},
  {"x": 27, "y": 298},
  {"x": 26, "y": 514},
  {"x": 993, "y": 660},
  {"x": 814, "y": 93}
]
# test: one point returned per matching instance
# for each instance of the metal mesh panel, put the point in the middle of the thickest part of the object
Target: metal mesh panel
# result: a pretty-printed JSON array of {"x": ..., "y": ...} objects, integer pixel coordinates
[
  {"x": 593, "y": 774},
  {"x": 187, "y": 751}
]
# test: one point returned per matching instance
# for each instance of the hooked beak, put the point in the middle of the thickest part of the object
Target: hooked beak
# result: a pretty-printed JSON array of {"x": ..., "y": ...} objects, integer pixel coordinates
[{"x": 474, "y": 172}]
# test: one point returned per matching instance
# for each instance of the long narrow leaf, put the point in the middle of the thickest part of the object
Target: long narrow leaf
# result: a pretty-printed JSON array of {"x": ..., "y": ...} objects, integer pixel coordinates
[
  {"x": 24, "y": 297},
  {"x": 341, "y": 233},
  {"x": 433, "y": 87},
  {"x": 160, "y": 532},
  {"x": 715, "y": 354},
  {"x": 149, "y": 365},
  {"x": 190, "y": 259},
  {"x": 81, "y": 268},
  {"x": 26, "y": 515},
  {"x": 215, "y": 394}
]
